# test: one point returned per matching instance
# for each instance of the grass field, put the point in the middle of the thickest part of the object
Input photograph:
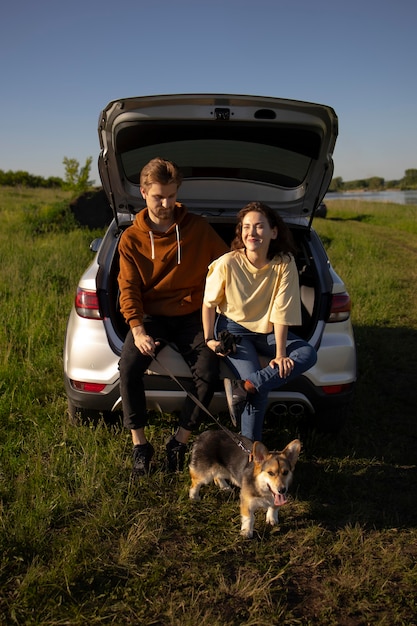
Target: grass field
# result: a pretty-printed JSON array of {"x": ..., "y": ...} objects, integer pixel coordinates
[{"x": 81, "y": 544}]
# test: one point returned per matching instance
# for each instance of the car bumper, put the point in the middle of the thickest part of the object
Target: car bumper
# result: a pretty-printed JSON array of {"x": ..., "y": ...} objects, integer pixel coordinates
[{"x": 309, "y": 394}]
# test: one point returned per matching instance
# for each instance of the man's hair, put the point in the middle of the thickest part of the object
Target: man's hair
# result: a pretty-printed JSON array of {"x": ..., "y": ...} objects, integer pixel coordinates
[
  {"x": 282, "y": 246},
  {"x": 160, "y": 171}
]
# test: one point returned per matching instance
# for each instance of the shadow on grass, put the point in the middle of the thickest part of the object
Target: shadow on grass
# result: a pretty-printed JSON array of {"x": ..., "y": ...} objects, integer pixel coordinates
[
  {"x": 367, "y": 473},
  {"x": 363, "y": 217},
  {"x": 374, "y": 494}
]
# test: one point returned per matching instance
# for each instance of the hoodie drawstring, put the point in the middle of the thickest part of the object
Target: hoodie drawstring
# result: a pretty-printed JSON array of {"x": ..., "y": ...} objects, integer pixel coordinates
[
  {"x": 152, "y": 245},
  {"x": 177, "y": 231}
]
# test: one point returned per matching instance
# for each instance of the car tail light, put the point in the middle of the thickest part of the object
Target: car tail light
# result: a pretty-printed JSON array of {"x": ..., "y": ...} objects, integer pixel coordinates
[
  {"x": 332, "y": 390},
  {"x": 340, "y": 307},
  {"x": 87, "y": 305},
  {"x": 80, "y": 385}
]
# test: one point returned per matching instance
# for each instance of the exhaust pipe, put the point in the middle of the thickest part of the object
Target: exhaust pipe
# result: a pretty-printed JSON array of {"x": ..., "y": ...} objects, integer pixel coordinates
[
  {"x": 279, "y": 409},
  {"x": 294, "y": 409}
]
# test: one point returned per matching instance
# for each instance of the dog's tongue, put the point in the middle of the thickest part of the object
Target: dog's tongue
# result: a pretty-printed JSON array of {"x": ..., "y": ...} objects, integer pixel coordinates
[{"x": 280, "y": 499}]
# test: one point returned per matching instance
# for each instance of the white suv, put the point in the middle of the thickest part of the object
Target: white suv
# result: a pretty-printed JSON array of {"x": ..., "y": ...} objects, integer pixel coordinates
[{"x": 232, "y": 149}]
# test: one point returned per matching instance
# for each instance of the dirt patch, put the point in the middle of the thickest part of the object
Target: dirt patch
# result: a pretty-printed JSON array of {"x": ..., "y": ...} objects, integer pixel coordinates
[{"x": 92, "y": 209}]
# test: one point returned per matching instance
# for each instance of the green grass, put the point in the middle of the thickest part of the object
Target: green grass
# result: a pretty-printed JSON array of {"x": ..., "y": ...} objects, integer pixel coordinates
[{"x": 81, "y": 544}]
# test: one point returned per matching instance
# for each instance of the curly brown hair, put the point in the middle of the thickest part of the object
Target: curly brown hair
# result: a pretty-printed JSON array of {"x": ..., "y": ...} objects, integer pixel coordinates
[{"x": 282, "y": 245}]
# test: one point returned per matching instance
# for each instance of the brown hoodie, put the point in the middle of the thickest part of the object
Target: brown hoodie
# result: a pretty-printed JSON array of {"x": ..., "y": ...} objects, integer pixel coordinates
[{"x": 164, "y": 273}]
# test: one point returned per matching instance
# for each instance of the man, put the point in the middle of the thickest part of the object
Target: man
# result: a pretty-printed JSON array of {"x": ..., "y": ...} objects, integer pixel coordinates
[{"x": 164, "y": 258}]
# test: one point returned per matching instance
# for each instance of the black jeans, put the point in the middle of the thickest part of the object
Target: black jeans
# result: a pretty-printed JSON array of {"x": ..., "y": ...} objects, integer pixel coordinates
[{"x": 187, "y": 334}]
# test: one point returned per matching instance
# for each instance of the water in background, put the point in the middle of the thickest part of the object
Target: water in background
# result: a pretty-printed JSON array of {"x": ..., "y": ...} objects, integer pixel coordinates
[{"x": 399, "y": 197}]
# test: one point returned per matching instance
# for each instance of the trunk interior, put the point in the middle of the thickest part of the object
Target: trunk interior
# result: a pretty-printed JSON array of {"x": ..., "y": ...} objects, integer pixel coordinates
[{"x": 309, "y": 283}]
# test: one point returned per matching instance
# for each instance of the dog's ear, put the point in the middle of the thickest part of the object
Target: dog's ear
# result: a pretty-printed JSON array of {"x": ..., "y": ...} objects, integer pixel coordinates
[
  {"x": 292, "y": 452},
  {"x": 259, "y": 452}
]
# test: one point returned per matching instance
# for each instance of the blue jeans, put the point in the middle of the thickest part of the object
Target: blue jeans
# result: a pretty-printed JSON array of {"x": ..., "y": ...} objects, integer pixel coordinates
[{"x": 246, "y": 365}]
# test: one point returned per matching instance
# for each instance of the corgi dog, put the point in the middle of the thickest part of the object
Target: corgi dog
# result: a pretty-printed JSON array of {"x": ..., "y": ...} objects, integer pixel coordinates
[{"x": 263, "y": 477}]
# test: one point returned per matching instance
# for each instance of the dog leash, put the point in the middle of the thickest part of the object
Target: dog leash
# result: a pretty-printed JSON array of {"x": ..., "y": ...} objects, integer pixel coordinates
[{"x": 232, "y": 435}]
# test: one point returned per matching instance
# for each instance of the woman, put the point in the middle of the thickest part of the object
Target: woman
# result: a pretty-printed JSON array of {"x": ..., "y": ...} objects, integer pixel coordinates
[{"x": 255, "y": 290}]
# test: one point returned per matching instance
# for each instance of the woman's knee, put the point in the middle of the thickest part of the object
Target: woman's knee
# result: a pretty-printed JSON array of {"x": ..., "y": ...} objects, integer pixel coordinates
[{"x": 304, "y": 354}]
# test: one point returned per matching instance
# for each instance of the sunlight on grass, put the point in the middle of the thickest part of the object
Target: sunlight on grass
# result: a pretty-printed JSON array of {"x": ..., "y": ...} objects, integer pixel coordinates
[
  {"x": 81, "y": 543},
  {"x": 369, "y": 255}
]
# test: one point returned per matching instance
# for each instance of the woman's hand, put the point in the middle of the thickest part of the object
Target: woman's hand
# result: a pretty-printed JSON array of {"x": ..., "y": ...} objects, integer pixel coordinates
[
  {"x": 214, "y": 345},
  {"x": 284, "y": 364}
]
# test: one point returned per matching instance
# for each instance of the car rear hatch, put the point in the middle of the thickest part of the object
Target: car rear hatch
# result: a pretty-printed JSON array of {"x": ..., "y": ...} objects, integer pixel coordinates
[{"x": 231, "y": 149}]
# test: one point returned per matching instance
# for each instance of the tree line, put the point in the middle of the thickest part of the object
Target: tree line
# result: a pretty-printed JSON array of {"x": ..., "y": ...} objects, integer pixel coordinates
[
  {"x": 77, "y": 179},
  {"x": 24, "y": 179},
  {"x": 375, "y": 183}
]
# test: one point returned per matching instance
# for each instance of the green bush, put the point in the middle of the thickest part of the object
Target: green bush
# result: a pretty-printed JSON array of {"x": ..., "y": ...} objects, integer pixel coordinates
[{"x": 48, "y": 218}]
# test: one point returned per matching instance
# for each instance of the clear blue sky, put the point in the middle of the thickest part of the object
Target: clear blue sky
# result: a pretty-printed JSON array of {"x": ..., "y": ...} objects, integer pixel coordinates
[{"x": 62, "y": 62}]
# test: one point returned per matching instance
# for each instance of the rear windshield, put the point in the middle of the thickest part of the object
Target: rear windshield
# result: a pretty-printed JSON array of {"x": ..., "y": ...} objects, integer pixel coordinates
[{"x": 279, "y": 156}]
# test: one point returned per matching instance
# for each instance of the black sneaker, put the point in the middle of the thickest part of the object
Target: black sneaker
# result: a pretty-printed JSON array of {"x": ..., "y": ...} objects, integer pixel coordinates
[
  {"x": 175, "y": 455},
  {"x": 236, "y": 396},
  {"x": 142, "y": 455}
]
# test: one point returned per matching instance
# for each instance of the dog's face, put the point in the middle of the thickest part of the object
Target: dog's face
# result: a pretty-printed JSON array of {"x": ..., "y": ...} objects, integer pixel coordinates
[{"x": 273, "y": 471}]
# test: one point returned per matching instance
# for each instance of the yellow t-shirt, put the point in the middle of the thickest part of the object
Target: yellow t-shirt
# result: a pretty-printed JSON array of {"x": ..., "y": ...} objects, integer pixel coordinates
[{"x": 255, "y": 298}]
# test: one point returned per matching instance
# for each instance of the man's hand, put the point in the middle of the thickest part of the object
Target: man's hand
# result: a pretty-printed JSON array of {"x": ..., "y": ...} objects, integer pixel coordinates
[{"x": 144, "y": 342}]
